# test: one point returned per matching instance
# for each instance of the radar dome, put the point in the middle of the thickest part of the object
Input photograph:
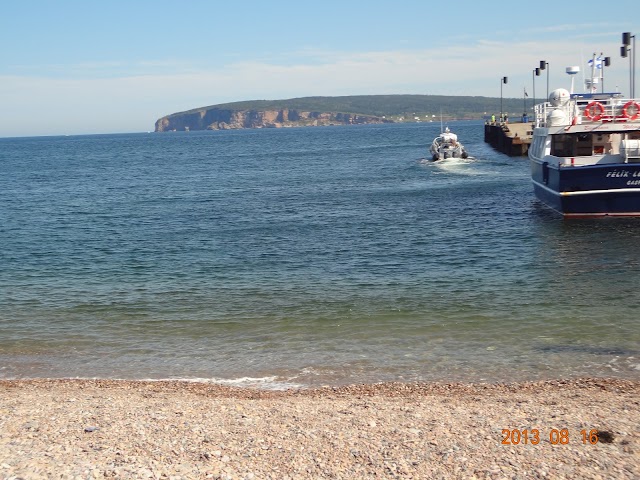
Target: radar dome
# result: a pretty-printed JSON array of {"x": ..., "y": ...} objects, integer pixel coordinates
[
  {"x": 559, "y": 97},
  {"x": 556, "y": 118}
]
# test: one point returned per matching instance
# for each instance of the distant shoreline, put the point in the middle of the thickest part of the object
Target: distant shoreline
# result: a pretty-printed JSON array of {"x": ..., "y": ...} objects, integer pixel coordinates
[{"x": 344, "y": 110}]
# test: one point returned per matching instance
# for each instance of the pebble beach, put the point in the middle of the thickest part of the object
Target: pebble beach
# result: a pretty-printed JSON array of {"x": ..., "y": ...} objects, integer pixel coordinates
[{"x": 90, "y": 429}]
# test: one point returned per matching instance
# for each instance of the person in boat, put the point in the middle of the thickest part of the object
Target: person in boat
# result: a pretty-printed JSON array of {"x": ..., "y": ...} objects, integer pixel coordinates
[{"x": 493, "y": 118}]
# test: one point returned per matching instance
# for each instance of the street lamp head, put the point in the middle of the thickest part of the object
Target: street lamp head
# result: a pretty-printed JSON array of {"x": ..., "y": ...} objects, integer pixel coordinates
[
  {"x": 607, "y": 61},
  {"x": 537, "y": 72},
  {"x": 504, "y": 79},
  {"x": 543, "y": 64},
  {"x": 626, "y": 39},
  {"x": 623, "y": 51}
]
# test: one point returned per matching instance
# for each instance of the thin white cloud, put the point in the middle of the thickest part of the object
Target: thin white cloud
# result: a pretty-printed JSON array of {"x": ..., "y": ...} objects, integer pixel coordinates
[{"x": 78, "y": 103}]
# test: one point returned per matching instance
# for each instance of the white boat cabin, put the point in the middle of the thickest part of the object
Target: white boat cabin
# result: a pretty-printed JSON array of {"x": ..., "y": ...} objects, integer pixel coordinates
[{"x": 587, "y": 129}]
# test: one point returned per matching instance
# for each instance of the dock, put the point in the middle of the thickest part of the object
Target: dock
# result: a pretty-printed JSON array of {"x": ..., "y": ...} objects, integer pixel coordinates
[{"x": 512, "y": 139}]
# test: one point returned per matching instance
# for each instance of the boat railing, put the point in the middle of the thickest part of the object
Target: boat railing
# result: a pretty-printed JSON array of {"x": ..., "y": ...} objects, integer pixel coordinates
[{"x": 614, "y": 110}]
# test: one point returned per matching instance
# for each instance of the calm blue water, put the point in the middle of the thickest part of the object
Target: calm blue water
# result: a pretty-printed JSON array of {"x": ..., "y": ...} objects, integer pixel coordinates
[{"x": 302, "y": 257}]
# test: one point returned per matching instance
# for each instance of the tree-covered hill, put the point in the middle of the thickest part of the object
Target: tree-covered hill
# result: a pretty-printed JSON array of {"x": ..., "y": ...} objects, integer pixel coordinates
[
  {"x": 385, "y": 105},
  {"x": 356, "y": 109}
]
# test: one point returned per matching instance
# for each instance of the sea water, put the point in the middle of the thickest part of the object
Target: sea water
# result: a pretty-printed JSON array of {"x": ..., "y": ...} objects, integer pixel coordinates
[{"x": 303, "y": 257}]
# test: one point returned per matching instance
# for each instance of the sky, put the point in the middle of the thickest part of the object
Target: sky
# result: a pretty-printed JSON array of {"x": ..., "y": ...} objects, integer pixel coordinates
[{"x": 70, "y": 67}]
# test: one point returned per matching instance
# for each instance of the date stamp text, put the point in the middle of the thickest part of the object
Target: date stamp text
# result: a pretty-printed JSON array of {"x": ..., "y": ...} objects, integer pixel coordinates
[{"x": 556, "y": 436}]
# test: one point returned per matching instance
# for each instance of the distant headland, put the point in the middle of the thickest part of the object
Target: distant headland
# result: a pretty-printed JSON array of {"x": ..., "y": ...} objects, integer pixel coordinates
[{"x": 345, "y": 110}]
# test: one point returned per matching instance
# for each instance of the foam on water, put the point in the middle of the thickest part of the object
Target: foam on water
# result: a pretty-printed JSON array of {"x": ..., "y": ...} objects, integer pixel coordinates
[
  {"x": 264, "y": 383},
  {"x": 458, "y": 166}
]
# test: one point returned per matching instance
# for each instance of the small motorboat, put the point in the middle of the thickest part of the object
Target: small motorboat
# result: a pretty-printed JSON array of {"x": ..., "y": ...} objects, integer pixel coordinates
[{"x": 446, "y": 145}]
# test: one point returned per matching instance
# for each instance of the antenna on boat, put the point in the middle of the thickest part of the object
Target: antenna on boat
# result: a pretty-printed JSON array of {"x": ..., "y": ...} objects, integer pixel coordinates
[
  {"x": 441, "y": 129},
  {"x": 572, "y": 72}
]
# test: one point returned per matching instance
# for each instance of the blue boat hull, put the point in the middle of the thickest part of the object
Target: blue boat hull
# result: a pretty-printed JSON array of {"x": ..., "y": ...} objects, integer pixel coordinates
[{"x": 591, "y": 190}]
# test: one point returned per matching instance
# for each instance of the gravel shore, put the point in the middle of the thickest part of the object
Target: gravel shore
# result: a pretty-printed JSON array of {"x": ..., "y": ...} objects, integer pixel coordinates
[{"x": 180, "y": 430}]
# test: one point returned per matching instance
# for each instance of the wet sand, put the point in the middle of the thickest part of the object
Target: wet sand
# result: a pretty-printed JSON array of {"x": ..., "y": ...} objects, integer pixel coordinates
[{"x": 181, "y": 430}]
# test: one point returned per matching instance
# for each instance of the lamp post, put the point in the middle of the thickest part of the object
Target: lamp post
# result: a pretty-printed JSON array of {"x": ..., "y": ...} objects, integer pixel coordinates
[
  {"x": 543, "y": 66},
  {"x": 624, "y": 50},
  {"x": 606, "y": 61},
  {"x": 537, "y": 74},
  {"x": 533, "y": 76},
  {"x": 503, "y": 81}
]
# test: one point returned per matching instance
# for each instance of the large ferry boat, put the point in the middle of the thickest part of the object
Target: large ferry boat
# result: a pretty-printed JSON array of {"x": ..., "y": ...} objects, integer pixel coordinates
[{"x": 585, "y": 153}]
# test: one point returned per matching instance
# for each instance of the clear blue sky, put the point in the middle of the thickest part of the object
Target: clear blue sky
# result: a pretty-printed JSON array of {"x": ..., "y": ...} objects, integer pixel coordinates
[{"x": 77, "y": 67}]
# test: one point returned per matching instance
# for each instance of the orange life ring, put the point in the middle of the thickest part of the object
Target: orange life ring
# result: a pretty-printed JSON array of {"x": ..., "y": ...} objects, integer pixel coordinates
[
  {"x": 591, "y": 113},
  {"x": 625, "y": 110}
]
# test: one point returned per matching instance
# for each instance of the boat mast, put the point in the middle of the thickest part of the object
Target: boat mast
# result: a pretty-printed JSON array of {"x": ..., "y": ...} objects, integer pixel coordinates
[{"x": 594, "y": 88}]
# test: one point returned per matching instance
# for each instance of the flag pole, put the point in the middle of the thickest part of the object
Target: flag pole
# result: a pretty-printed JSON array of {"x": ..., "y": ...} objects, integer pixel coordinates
[
  {"x": 601, "y": 66},
  {"x": 593, "y": 73}
]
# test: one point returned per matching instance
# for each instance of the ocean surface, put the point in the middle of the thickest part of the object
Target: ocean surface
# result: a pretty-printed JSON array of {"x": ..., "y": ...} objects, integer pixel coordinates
[{"x": 303, "y": 257}]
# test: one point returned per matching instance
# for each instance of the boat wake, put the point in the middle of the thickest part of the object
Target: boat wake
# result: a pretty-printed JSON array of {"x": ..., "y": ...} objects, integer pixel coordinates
[
  {"x": 454, "y": 161},
  {"x": 449, "y": 164}
]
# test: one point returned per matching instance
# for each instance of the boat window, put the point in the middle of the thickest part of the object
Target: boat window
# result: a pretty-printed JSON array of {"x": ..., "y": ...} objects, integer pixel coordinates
[
  {"x": 601, "y": 144},
  {"x": 584, "y": 144},
  {"x": 563, "y": 145}
]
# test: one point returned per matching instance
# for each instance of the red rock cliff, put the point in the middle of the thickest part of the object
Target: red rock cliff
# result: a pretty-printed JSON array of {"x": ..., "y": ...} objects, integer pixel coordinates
[{"x": 223, "y": 119}]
